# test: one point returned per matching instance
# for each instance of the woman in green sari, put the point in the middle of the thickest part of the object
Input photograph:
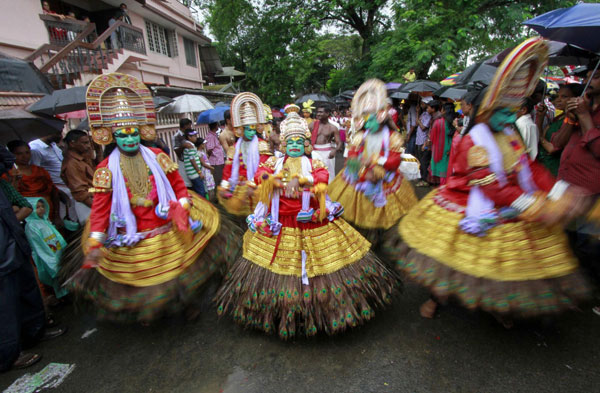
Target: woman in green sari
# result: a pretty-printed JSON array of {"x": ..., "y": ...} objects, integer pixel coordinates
[{"x": 548, "y": 155}]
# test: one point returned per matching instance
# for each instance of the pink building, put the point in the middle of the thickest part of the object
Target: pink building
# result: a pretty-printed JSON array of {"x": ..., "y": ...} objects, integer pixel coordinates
[{"x": 160, "y": 42}]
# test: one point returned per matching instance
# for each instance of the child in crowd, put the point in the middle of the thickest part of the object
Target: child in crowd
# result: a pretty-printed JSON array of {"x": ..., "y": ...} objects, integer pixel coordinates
[
  {"x": 46, "y": 243},
  {"x": 207, "y": 169},
  {"x": 192, "y": 163}
]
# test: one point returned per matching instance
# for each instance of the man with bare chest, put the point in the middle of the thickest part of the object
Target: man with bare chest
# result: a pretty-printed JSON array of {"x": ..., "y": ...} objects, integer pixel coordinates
[
  {"x": 325, "y": 140},
  {"x": 227, "y": 136},
  {"x": 274, "y": 140}
]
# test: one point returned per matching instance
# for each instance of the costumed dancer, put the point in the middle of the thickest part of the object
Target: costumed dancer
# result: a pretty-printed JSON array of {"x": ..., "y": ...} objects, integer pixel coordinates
[
  {"x": 235, "y": 193},
  {"x": 303, "y": 268},
  {"x": 489, "y": 238},
  {"x": 149, "y": 245},
  {"x": 373, "y": 187}
]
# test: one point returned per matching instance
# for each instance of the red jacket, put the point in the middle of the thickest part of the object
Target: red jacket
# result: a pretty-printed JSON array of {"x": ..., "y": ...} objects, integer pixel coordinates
[{"x": 145, "y": 216}]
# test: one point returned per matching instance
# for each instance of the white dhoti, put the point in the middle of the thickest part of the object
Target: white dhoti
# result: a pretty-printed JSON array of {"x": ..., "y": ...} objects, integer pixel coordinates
[{"x": 321, "y": 153}]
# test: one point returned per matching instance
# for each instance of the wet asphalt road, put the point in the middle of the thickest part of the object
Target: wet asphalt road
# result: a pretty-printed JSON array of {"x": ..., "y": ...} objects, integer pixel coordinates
[{"x": 397, "y": 351}]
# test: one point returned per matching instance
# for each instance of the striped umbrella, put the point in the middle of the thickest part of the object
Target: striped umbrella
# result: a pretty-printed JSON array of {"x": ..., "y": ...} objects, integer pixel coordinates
[{"x": 451, "y": 80}]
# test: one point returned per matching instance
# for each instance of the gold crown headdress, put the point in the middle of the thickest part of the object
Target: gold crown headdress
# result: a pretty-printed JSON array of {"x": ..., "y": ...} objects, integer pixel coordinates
[
  {"x": 516, "y": 78},
  {"x": 370, "y": 98},
  {"x": 295, "y": 126},
  {"x": 307, "y": 106},
  {"x": 115, "y": 101}
]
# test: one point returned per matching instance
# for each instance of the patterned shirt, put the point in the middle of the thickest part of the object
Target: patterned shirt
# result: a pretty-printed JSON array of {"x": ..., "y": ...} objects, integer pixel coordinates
[
  {"x": 422, "y": 133},
  {"x": 216, "y": 154},
  {"x": 13, "y": 195}
]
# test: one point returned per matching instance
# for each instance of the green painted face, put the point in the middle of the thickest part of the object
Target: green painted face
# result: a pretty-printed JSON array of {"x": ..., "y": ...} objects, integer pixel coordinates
[
  {"x": 371, "y": 124},
  {"x": 295, "y": 146},
  {"x": 128, "y": 139},
  {"x": 249, "y": 132},
  {"x": 501, "y": 118}
]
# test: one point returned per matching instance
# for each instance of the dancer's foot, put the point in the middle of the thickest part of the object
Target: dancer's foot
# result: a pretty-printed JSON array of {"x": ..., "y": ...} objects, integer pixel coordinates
[{"x": 428, "y": 309}]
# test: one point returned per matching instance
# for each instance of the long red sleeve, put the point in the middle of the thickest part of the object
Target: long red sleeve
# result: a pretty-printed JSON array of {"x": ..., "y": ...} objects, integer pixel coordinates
[
  {"x": 178, "y": 185},
  {"x": 101, "y": 203}
]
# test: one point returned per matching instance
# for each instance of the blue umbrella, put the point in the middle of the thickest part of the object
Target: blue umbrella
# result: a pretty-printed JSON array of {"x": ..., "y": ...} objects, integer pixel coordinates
[
  {"x": 578, "y": 25},
  {"x": 212, "y": 115}
]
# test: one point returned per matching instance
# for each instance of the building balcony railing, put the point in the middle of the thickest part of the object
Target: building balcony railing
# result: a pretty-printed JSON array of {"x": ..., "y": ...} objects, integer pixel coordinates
[{"x": 75, "y": 48}]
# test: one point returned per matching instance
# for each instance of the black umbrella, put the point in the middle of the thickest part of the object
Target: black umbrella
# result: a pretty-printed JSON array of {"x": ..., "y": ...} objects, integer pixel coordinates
[
  {"x": 17, "y": 123},
  {"x": 560, "y": 54},
  {"x": 341, "y": 100},
  {"x": 348, "y": 94},
  {"x": 478, "y": 72},
  {"x": 453, "y": 92},
  {"x": 400, "y": 95},
  {"x": 61, "y": 101},
  {"x": 420, "y": 86},
  {"x": 318, "y": 99},
  {"x": 160, "y": 101},
  {"x": 23, "y": 76}
]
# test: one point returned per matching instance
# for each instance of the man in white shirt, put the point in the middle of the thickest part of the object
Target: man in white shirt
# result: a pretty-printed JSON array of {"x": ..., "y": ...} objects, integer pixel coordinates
[{"x": 527, "y": 128}]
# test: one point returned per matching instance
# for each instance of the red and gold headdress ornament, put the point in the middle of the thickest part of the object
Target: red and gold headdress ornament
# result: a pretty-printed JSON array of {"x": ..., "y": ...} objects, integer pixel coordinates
[{"x": 119, "y": 102}]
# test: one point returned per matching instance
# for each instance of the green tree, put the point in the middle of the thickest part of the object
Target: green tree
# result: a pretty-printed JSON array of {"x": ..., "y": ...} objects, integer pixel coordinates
[{"x": 446, "y": 34}]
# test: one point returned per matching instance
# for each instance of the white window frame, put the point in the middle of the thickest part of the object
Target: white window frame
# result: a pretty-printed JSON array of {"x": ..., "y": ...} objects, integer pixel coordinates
[{"x": 161, "y": 40}]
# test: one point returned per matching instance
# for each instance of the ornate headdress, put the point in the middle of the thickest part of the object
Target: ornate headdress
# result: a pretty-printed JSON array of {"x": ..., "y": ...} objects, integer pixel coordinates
[
  {"x": 267, "y": 128},
  {"x": 370, "y": 98},
  {"x": 119, "y": 101},
  {"x": 246, "y": 110},
  {"x": 516, "y": 78},
  {"x": 295, "y": 126},
  {"x": 289, "y": 108},
  {"x": 307, "y": 106}
]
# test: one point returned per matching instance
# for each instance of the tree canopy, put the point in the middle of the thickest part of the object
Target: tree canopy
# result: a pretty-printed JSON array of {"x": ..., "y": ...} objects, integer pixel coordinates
[{"x": 291, "y": 47}]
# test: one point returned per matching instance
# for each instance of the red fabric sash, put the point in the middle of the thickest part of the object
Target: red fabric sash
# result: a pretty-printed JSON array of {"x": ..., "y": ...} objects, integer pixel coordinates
[{"x": 315, "y": 132}]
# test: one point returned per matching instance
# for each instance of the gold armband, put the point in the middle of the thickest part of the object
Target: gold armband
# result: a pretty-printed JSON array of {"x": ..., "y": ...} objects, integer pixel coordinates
[{"x": 489, "y": 179}]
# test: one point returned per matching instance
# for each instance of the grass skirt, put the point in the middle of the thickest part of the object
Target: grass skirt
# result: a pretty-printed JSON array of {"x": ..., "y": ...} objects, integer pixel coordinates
[
  {"x": 115, "y": 301},
  {"x": 360, "y": 211},
  {"x": 519, "y": 268},
  {"x": 259, "y": 297}
]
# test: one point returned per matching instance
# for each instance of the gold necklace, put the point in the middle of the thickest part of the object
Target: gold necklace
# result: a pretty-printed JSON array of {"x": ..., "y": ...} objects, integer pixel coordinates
[
  {"x": 136, "y": 174},
  {"x": 291, "y": 167}
]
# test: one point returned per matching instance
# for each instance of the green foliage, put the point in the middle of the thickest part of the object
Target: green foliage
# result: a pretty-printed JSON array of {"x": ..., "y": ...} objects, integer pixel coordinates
[{"x": 290, "y": 47}]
